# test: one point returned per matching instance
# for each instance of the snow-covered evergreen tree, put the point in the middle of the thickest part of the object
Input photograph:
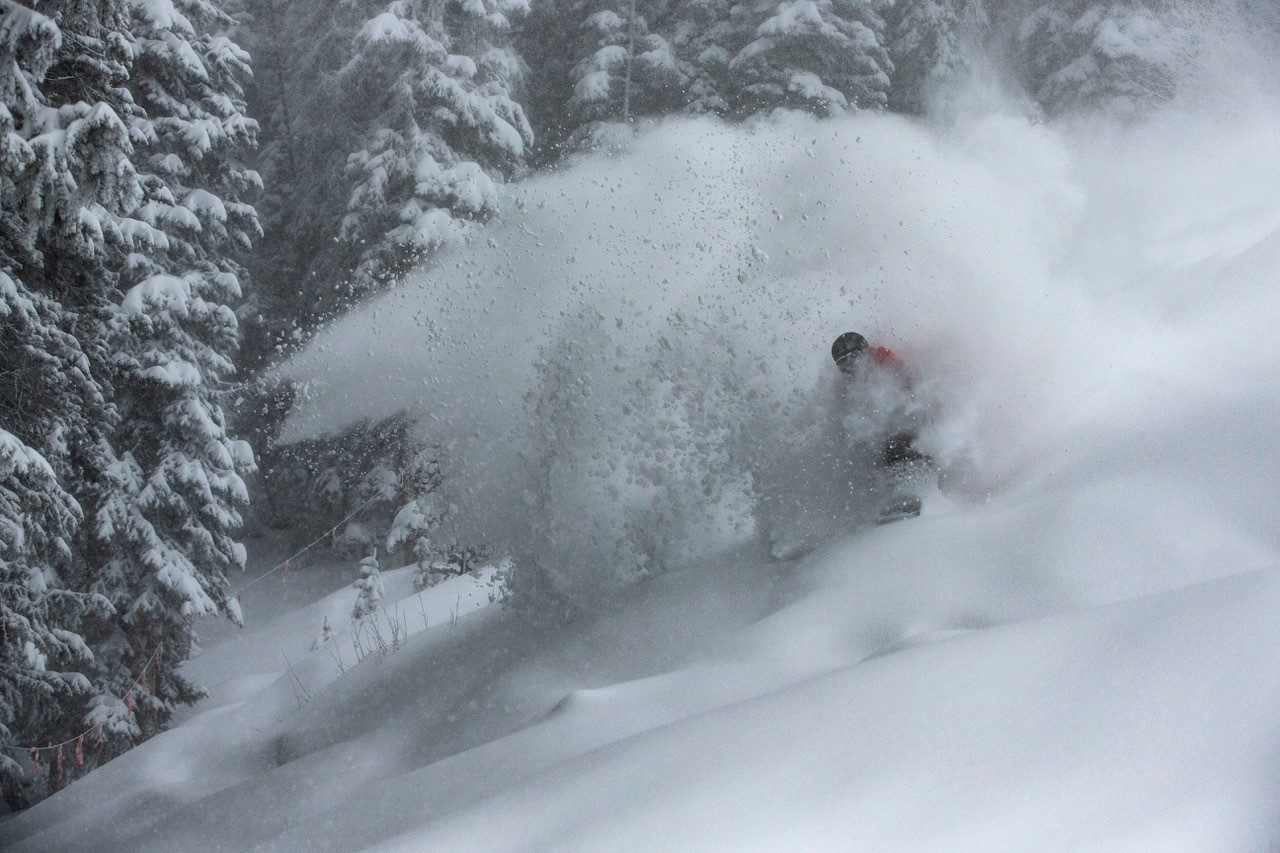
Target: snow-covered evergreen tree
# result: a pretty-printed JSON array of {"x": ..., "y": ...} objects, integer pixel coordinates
[
  {"x": 315, "y": 484},
  {"x": 47, "y": 386},
  {"x": 625, "y": 70},
  {"x": 416, "y": 529},
  {"x": 66, "y": 181},
  {"x": 1117, "y": 56},
  {"x": 823, "y": 56},
  {"x": 368, "y": 586},
  {"x": 40, "y": 647},
  {"x": 434, "y": 94},
  {"x": 931, "y": 43},
  {"x": 299, "y": 267},
  {"x": 598, "y": 63},
  {"x": 705, "y": 35},
  {"x": 169, "y": 526}
]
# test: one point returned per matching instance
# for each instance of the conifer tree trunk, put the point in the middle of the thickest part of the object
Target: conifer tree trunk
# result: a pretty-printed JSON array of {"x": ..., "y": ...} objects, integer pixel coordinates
[{"x": 631, "y": 56}]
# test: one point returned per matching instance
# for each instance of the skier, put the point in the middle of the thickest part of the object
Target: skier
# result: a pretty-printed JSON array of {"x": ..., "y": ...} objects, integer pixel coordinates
[{"x": 878, "y": 398}]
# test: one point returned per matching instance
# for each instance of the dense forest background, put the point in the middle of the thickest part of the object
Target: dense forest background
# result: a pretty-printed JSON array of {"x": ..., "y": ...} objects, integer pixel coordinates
[{"x": 191, "y": 188}]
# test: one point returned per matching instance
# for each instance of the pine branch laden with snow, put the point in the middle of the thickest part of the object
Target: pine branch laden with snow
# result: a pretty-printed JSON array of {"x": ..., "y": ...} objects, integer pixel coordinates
[
  {"x": 824, "y": 56},
  {"x": 40, "y": 645}
]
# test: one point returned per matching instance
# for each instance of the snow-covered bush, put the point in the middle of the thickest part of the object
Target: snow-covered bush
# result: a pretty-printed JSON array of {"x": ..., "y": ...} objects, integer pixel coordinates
[
  {"x": 368, "y": 586},
  {"x": 326, "y": 634},
  {"x": 424, "y": 531}
]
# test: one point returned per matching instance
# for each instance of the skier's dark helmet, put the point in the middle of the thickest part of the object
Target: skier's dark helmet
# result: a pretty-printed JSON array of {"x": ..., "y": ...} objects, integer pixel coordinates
[{"x": 846, "y": 350}]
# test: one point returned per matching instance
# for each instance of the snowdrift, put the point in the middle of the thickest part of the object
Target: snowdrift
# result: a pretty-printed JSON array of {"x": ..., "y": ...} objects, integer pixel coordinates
[{"x": 1076, "y": 646}]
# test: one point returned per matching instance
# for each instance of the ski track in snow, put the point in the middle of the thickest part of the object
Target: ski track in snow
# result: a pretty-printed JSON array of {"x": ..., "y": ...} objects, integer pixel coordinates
[{"x": 1075, "y": 647}]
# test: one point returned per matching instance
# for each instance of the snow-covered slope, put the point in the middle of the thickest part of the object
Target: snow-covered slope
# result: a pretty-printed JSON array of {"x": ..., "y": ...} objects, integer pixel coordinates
[
  {"x": 885, "y": 694},
  {"x": 1147, "y": 725},
  {"x": 1077, "y": 646},
  {"x": 260, "y": 681}
]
